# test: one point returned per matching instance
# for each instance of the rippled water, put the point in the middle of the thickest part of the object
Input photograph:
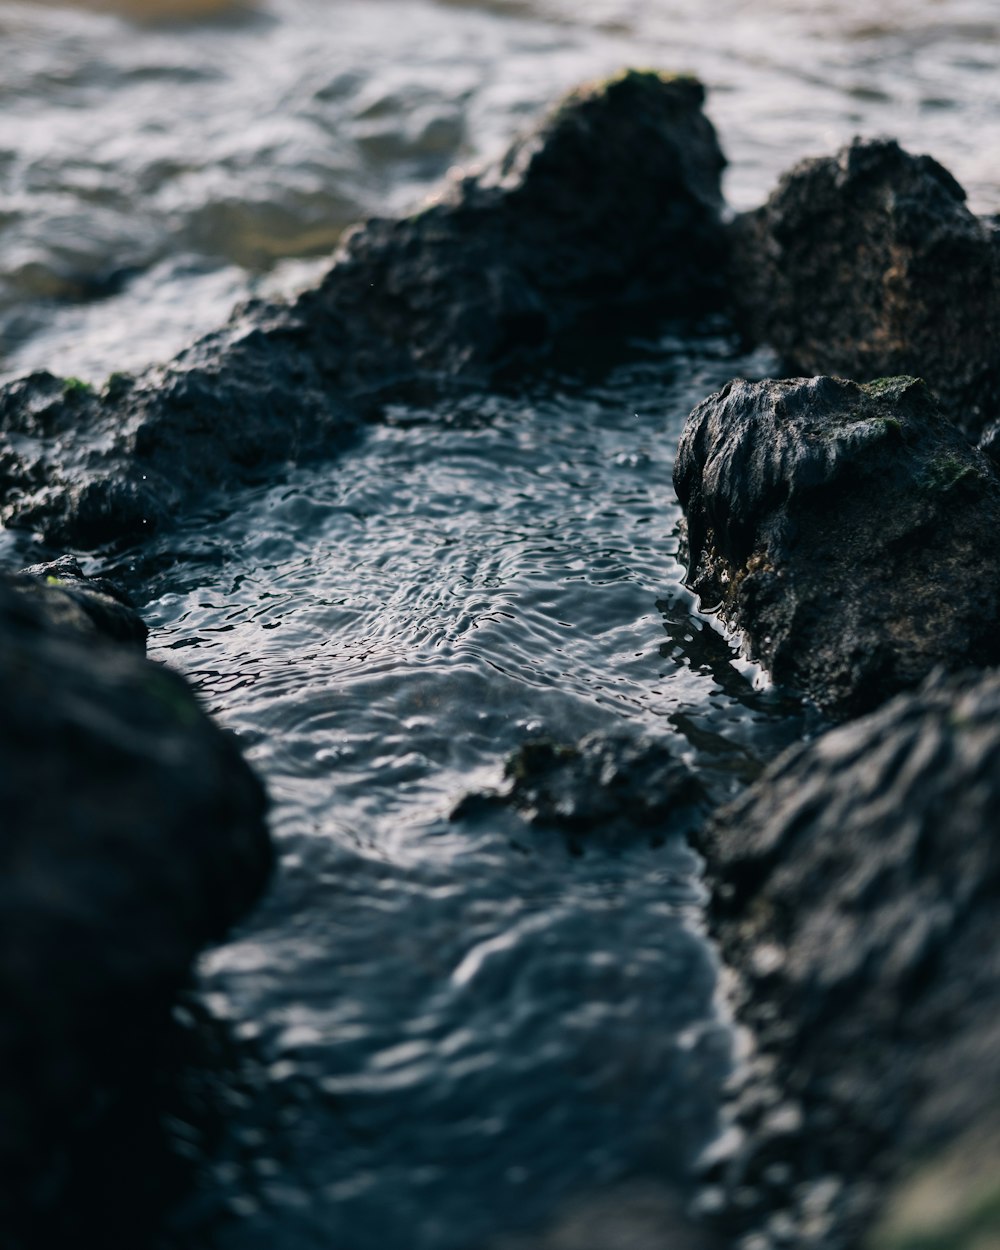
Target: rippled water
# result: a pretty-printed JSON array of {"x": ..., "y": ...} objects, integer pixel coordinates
[
  {"x": 479, "y": 1024},
  {"x": 443, "y": 1031}
]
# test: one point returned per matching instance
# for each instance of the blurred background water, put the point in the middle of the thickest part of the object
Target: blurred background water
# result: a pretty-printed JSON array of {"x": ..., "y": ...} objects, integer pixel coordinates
[
  {"x": 160, "y": 159},
  {"x": 439, "y": 1032}
]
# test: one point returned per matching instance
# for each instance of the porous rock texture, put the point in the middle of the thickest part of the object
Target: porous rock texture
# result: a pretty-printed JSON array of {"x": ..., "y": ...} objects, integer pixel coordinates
[
  {"x": 132, "y": 835},
  {"x": 868, "y": 263},
  {"x": 613, "y": 203},
  {"x": 855, "y": 891},
  {"x": 848, "y": 531}
]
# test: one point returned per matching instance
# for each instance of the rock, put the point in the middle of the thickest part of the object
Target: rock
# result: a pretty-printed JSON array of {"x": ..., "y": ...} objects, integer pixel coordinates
[
  {"x": 133, "y": 834},
  {"x": 848, "y": 531},
  {"x": 869, "y": 264},
  {"x": 612, "y": 204},
  {"x": 855, "y": 892},
  {"x": 608, "y": 789},
  {"x": 614, "y": 201},
  {"x": 91, "y": 604}
]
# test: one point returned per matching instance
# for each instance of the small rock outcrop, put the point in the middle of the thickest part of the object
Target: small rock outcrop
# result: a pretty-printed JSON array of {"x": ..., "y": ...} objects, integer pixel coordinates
[
  {"x": 132, "y": 835},
  {"x": 607, "y": 790},
  {"x": 867, "y": 264},
  {"x": 855, "y": 889},
  {"x": 848, "y": 531},
  {"x": 613, "y": 203},
  {"x": 92, "y": 605}
]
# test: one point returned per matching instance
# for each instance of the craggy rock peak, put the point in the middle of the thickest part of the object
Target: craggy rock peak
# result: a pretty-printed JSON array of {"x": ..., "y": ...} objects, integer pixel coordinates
[
  {"x": 856, "y": 888},
  {"x": 614, "y": 202},
  {"x": 867, "y": 264},
  {"x": 132, "y": 834},
  {"x": 848, "y": 531},
  {"x": 611, "y": 790}
]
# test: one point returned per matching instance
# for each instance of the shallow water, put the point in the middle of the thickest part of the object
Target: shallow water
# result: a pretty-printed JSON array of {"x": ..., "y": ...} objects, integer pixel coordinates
[
  {"x": 481, "y": 1024},
  {"x": 445, "y": 1032}
]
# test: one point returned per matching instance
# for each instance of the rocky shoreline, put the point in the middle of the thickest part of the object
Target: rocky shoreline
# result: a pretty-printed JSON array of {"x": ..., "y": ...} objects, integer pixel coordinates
[{"x": 843, "y": 528}]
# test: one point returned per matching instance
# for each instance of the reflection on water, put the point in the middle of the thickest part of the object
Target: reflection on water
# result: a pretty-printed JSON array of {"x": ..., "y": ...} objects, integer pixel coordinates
[
  {"x": 214, "y": 150},
  {"x": 456, "y": 1027}
]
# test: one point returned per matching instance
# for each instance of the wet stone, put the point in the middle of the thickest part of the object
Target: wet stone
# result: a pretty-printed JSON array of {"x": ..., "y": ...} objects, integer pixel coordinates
[
  {"x": 848, "y": 532},
  {"x": 133, "y": 835},
  {"x": 867, "y": 264},
  {"x": 62, "y": 590},
  {"x": 867, "y": 856},
  {"x": 612, "y": 204}
]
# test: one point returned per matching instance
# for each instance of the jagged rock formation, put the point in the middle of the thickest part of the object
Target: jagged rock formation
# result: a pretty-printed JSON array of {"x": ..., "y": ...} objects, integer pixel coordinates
[
  {"x": 614, "y": 203},
  {"x": 848, "y": 531},
  {"x": 867, "y": 264},
  {"x": 855, "y": 889}
]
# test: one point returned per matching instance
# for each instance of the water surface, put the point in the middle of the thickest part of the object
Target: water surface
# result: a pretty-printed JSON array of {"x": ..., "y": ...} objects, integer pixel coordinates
[
  {"x": 443, "y": 1032},
  {"x": 478, "y": 1024}
]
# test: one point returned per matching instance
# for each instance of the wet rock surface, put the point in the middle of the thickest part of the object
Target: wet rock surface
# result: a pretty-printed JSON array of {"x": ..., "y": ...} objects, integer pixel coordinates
[
  {"x": 62, "y": 592},
  {"x": 848, "y": 531},
  {"x": 613, "y": 203},
  {"x": 855, "y": 893},
  {"x": 868, "y": 263},
  {"x": 607, "y": 791},
  {"x": 133, "y": 835}
]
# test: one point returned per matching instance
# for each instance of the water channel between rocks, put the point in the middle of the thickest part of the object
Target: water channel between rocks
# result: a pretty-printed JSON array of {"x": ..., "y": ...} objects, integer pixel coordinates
[
  {"x": 453, "y": 1029},
  {"x": 434, "y": 1033}
]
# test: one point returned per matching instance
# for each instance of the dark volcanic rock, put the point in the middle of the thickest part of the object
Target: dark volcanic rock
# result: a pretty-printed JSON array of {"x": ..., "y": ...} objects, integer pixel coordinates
[
  {"x": 613, "y": 203},
  {"x": 849, "y": 531},
  {"x": 611, "y": 790},
  {"x": 856, "y": 887},
  {"x": 869, "y": 263},
  {"x": 132, "y": 834}
]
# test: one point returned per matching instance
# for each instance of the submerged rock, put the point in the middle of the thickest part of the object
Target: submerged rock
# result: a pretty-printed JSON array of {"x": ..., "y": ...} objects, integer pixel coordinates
[
  {"x": 868, "y": 263},
  {"x": 133, "y": 834},
  {"x": 848, "y": 531},
  {"x": 856, "y": 887},
  {"x": 614, "y": 202},
  {"x": 609, "y": 790}
]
